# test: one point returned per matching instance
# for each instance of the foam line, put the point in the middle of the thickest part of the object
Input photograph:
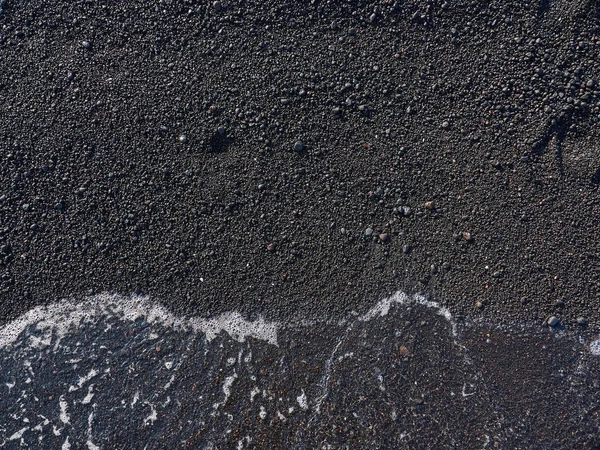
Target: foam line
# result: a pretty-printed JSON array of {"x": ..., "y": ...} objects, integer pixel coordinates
[
  {"x": 57, "y": 319},
  {"x": 382, "y": 308}
]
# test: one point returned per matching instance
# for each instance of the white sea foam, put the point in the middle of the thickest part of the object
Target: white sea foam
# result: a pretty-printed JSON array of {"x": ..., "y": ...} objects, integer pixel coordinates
[
  {"x": 595, "y": 347},
  {"x": 227, "y": 386},
  {"x": 64, "y": 415},
  {"x": 382, "y": 308},
  {"x": 56, "y": 320},
  {"x": 302, "y": 400}
]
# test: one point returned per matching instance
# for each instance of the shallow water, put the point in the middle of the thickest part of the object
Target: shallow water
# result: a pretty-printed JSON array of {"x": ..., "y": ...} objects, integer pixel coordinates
[{"x": 122, "y": 372}]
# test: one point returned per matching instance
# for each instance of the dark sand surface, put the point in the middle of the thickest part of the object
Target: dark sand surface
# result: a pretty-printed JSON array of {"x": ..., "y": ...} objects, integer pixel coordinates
[
  {"x": 308, "y": 158},
  {"x": 489, "y": 110}
]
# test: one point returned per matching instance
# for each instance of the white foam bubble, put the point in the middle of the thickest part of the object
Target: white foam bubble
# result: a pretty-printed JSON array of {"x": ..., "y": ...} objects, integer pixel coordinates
[
  {"x": 57, "y": 319},
  {"x": 382, "y": 308},
  {"x": 64, "y": 415},
  {"x": 227, "y": 386},
  {"x": 302, "y": 400}
]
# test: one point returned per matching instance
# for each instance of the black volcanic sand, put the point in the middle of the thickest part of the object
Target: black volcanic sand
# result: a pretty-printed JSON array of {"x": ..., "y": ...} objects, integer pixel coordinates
[{"x": 463, "y": 134}]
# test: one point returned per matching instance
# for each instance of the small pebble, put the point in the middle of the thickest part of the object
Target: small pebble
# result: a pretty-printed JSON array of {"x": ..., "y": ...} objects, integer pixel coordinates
[
  {"x": 217, "y": 6},
  {"x": 582, "y": 321},
  {"x": 271, "y": 247},
  {"x": 298, "y": 146},
  {"x": 221, "y": 131},
  {"x": 26, "y": 207},
  {"x": 553, "y": 321},
  {"x": 369, "y": 232},
  {"x": 406, "y": 249},
  {"x": 445, "y": 124},
  {"x": 86, "y": 44},
  {"x": 384, "y": 237},
  {"x": 429, "y": 205},
  {"x": 479, "y": 304},
  {"x": 183, "y": 139}
]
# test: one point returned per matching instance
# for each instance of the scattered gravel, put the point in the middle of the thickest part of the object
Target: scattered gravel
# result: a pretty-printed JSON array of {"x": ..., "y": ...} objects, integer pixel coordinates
[{"x": 154, "y": 126}]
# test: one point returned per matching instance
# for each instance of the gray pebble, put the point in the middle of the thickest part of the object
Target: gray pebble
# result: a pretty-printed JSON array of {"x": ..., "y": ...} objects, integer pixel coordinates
[
  {"x": 369, "y": 232},
  {"x": 183, "y": 139},
  {"x": 217, "y": 6},
  {"x": 86, "y": 44},
  {"x": 26, "y": 207},
  {"x": 582, "y": 321},
  {"x": 407, "y": 249},
  {"x": 298, "y": 146},
  {"x": 221, "y": 130},
  {"x": 553, "y": 321}
]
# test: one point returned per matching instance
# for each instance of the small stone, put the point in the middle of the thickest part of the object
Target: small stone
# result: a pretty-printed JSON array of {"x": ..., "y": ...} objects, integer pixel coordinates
[
  {"x": 406, "y": 249},
  {"x": 467, "y": 236},
  {"x": 404, "y": 351},
  {"x": 582, "y": 321},
  {"x": 553, "y": 321},
  {"x": 86, "y": 44},
  {"x": 183, "y": 139},
  {"x": 429, "y": 205},
  {"x": 497, "y": 274},
  {"x": 373, "y": 18},
  {"x": 221, "y": 131},
  {"x": 479, "y": 304},
  {"x": 217, "y": 6},
  {"x": 406, "y": 211},
  {"x": 26, "y": 207},
  {"x": 271, "y": 247},
  {"x": 446, "y": 266},
  {"x": 384, "y": 237},
  {"x": 559, "y": 303},
  {"x": 369, "y": 232},
  {"x": 352, "y": 32},
  {"x": 59, "y": 206},
  {"x": 445, "y": 124},
  {"x": 298, "y": 146},
  {"x": 434, "y": 269},
  {"x": 6, "y": 249}
]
